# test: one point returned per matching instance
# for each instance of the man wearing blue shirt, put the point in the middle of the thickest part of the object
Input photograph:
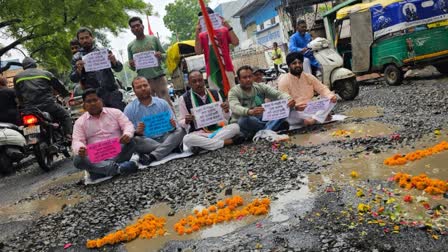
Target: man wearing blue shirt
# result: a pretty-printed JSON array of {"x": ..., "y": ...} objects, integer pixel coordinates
[
  {"x": 155, "y": 147},
  {"x": 298, "y": 43}
]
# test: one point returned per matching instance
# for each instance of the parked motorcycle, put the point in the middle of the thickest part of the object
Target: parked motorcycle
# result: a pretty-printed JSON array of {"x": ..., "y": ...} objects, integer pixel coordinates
[
  {"x": 334, "y": 75},
  {"x": 12, "y": 147},
  {"x": 270, "y": 75},
  {"x": 44, "y": 136}
]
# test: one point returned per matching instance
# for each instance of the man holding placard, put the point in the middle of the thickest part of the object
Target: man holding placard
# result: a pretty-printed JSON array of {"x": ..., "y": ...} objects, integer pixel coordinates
[
  {"x": 203, "y": 114},
  {"x": 93, "y": 67},
  {"x": 246, "y": 102},
  {"x": 302, "y": 87},
  {"x": 154, "y": 120},
  {"x": 102, "y": 139},
  {"x": 145, "y": 54},
  {"x": 225, "y": 37}
]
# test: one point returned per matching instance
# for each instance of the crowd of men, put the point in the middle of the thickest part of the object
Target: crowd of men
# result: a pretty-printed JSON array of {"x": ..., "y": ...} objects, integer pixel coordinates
[{"x": 108, "y": 117}]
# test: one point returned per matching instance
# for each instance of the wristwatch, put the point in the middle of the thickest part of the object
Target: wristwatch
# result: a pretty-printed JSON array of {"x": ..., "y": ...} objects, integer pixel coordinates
[{"x": 231, "y": 29}]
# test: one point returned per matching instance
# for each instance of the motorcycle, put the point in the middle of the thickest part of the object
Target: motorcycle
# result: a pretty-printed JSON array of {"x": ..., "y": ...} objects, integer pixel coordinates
[
  {"x": 12, "y": 147},
  {"x": 334, "y": 75},
  {"x": 44, "y": 136}
]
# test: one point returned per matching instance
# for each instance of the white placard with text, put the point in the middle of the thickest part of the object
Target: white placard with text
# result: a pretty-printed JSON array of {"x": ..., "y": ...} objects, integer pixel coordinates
[
  {"x": 207, "y": 115},
  {"x": 146, "y": 59},
  {"x": 275, "y": 110},
  {"x": 97, "y": 60},
  {"x": 216, "y": 21}
]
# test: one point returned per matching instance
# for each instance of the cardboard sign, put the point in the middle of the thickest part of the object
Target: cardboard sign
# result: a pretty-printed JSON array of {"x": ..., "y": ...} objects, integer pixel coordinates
[
  {"x": 103, "y": 150},
  {"x": 275, "y": 110},
  {"x": 207, "y": 115},
  {"x": 216, "y": 22},
  {"x": 146, "y": 59},
  {"x": 158, "y": 124},
  {"x": 96, "y": 61}
]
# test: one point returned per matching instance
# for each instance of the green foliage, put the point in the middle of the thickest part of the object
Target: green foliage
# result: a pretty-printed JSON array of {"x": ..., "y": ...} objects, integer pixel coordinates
[
  {"x": 45, "y": 27},
  {"x": 182, "y": 17}
]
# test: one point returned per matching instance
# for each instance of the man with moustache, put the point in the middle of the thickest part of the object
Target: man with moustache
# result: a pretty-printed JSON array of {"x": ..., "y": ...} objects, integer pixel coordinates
[
  {"x": 99, "y": 124},
  {"x": 157, "y": 147},
  {"x": 143, "y": 43},
  {"x": 211, "y": 137},
  {"x": 245, "y": 102},
  {"x": 102, "y": 80},
  {"x": 301, "y": 87}
]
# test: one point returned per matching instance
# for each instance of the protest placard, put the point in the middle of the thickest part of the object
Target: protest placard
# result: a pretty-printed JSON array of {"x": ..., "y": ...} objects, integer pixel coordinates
[
  {"x": 158, "y": 124},
  {"x": 207, "y": 115},
  {"x": 216, "y": 21},
  {"x": 97, "y": 60},
  {"x": 145, "y": 60},
  {"x": 275, "y": 110},
  {"x": 319, "y": 109},
  {"x": 103, "y": 150}
]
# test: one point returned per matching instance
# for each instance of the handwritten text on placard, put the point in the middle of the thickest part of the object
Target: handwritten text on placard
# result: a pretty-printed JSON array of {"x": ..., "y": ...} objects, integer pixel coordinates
[
  {"x": 158, "y": 124},
  {"x": 97, "y": 60},
  {"x": 275, "y": 110},
  {"x": 146, "y": 59},
  {"x": 207, "y": 115},
  {"x": 103, "y": 150}
]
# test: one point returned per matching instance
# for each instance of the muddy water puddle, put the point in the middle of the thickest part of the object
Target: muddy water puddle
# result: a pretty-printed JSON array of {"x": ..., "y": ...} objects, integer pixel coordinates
[
  {"x": 31, "y": 209},
  {"x": 365, "y": 112},
  {"x": 280, "y": 211},
  {"x": 162, "y": 210},
  {"x": 370, "y": 166},
  {"x": 334, "y": 132},
  {"x": 71, "y": 178}
]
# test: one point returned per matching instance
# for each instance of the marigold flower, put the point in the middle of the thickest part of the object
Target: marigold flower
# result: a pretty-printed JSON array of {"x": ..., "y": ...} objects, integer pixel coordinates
[{"x": 220, "y": 204}]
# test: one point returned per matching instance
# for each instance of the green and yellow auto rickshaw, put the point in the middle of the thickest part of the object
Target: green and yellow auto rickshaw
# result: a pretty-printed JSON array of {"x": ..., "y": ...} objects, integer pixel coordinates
[{"x": 390, "y": 36}]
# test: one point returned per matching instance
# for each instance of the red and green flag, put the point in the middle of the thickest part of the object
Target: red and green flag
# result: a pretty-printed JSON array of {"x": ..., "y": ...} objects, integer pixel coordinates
[{"x": 216, "y": 63}]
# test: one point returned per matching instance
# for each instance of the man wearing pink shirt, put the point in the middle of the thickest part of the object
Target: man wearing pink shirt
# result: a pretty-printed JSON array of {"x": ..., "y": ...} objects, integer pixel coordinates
[
  {"x": 301, "y": 87},
  {"x": 99, "y": 124},
  {"x": 225, "y": 36}
]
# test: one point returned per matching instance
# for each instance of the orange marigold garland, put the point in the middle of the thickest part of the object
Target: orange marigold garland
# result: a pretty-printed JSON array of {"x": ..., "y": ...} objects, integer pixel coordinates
[
  {"x": 421, "y": 182},
  {"x": 146, "y": 227},
  {"x": 225, "y": 210},
  {"x": 399, "y": 159}
]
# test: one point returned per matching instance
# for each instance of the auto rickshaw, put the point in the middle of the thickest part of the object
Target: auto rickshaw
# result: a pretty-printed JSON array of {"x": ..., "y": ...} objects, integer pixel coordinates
[
  {"x": 390, "y": 36},
  {"x": 181, "y": 58}
]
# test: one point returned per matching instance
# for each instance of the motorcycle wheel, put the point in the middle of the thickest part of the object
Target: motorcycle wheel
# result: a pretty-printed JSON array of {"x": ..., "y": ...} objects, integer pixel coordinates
[
  {"x": 5, "y": 164},
  {"x": 66, "y": 152},
  {"x": 347, "y": 89},
  {"x": 44, "y": 159}
]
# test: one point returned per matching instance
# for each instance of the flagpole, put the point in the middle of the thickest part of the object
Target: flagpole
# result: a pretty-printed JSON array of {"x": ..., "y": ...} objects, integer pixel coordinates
[{"x": 211, "y": 34}]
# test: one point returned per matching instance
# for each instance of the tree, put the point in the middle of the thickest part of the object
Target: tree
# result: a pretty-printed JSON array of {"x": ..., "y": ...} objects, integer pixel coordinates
[
  {"x": 45, "y": 27},
  {"x": 181, "y": 18}
]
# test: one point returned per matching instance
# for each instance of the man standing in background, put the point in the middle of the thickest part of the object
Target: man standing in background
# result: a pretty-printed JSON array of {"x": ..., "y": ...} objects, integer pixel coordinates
[
  {"x": 277, "y": 57},
  {"x": 225, "y": 37},
  {"x": 102, "y": 80},
  {"x": 144, "y": 43}
]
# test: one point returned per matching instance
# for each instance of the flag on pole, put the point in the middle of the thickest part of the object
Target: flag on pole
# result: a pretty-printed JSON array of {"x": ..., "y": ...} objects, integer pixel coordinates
[
  {"x": 216, "y": 62},
  {"x": 149, "y": 26}
]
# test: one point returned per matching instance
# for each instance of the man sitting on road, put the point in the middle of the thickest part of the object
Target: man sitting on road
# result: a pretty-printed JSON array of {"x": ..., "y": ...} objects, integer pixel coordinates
[
  {"x": 211, "y": 137},
  {"x": 245, "y": 102},
  {"x": 155, "y": 147},
  {"x": 301, "y": 87},
  {"x": 99, "y": 124}
]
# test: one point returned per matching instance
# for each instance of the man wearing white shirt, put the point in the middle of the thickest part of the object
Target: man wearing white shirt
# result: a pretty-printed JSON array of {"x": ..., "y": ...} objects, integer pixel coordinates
[{"x": 212, "y": 137}]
